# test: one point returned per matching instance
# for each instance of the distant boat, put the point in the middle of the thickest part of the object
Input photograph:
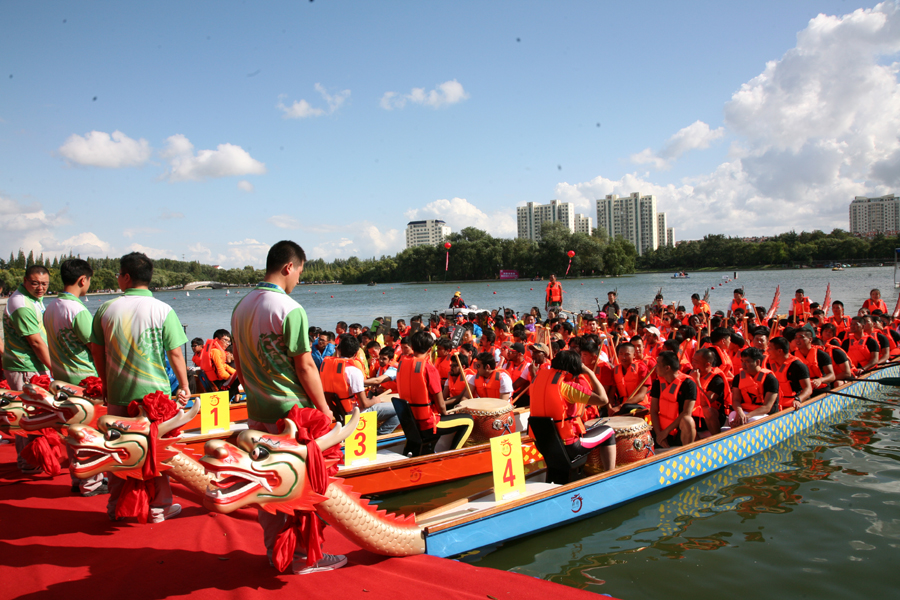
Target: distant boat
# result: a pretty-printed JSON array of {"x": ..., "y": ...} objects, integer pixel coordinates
[
  {"x": 371, "y": 284},
  {"x": 187, "y": 293},
  {"x": 681, "y": 276},
  {"x": 837, "y": 268}
]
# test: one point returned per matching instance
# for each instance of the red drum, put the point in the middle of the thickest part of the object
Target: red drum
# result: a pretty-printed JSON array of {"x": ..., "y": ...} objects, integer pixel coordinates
[
  {"x": 634, "y": 442},
  {"x": 493, "y": 417}
]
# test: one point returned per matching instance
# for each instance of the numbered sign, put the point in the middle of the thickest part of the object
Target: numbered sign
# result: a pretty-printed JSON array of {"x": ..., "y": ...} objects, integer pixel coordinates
[
  {"x": 509, "y": 472},
  {"x": 215, "y": 412},
  {"x": 360, "y": 447}
]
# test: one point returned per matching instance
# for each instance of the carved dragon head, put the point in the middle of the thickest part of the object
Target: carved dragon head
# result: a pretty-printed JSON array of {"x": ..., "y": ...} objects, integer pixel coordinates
[
  {"x": 121, "y": 444},
  {"x": 265, "y": 469},
  {"x": 11, "y": 412},
  {"x": 43, "y": 409}
]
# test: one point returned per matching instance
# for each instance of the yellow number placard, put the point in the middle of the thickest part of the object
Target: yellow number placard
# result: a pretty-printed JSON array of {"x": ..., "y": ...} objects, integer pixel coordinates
[
  {"x": 215, "y": 412},
  {"x": 361, "y": 446},
  {"x": 509, "y": 472}
]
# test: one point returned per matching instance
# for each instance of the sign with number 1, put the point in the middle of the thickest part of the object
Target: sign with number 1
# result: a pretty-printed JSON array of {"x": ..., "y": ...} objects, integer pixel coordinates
[
  {"x": 361, "y": 446},
  {"x": 215, "y": 412},
  {"x": 509, "y": 472}
]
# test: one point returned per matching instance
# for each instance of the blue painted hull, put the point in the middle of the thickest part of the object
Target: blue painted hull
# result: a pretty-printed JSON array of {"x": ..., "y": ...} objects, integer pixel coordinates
[{"x": 603, "y": 492}]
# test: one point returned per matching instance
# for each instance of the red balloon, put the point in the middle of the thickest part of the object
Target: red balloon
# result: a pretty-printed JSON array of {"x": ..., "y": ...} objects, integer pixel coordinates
[
  {"x": 447, "y": 245},
  {"x": 571, "y": 253}
]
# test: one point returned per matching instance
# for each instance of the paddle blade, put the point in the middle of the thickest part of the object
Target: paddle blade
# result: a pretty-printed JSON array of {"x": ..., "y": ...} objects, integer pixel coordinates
[
  {"x": 892, "y": 381},
  {"x": 827, "y": 302}
]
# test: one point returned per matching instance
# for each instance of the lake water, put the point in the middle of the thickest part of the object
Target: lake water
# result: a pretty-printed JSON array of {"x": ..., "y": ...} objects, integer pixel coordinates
[
  {"x": 818, "y": 516},
  {"x": 204, "y": 311}
]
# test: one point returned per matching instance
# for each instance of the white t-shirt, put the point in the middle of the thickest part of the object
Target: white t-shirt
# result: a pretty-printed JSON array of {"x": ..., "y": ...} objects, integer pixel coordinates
[
  {"x": 354, "y": 379},
  {"x": 505, "y": 383}
]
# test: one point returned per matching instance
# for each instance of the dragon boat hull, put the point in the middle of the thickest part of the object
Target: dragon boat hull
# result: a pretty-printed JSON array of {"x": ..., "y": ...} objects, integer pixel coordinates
[{"x": 481, "y": 522}]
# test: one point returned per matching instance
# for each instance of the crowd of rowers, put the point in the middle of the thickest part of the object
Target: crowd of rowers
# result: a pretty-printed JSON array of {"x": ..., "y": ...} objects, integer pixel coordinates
[{"x": 690, "y": 374}]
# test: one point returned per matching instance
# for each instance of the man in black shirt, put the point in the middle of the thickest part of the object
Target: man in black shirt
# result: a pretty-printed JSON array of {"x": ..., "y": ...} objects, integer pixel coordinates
[
  {"x": 711, "y": 390},
  {"x": 858, "y": 356},
  {"x": 793, "y": 375},
  {"x": 611, "y": 307},
  {"x": 672, "y": 400},
  {"x": 816, "y": 359}
]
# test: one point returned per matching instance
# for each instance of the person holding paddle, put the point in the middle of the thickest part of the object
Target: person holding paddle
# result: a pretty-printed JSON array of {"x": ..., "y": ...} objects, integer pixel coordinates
[{"x": 673, "y": 403}]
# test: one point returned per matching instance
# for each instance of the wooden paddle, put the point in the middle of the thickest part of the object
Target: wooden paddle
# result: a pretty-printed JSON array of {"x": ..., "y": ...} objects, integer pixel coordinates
[
  {"x": 640, "y": 385},
  {"x": 462, "y": 373},
  {"x": 893, "y": 404}
]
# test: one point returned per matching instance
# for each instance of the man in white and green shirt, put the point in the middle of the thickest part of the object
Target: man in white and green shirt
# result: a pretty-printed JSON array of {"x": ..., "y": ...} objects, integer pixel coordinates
[
  {"x": 131, "y": 336},
  {"x": 26, "y": 352},
  {"x": 68, "y": 325},
  {"x": 270, "y": 338}
]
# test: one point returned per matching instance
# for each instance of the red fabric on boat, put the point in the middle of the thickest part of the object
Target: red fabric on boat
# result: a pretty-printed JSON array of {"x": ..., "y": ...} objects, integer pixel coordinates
[{"x": 56, "y": 544}]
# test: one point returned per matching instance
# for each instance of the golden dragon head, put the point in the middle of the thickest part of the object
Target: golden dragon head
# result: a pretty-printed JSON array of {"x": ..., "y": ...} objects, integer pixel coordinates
[
  {"x": 121, "y": 444},
  {"x": 66, "y": 407},
  {"x": 265, "y": 469},
  {"x": 11, "y": 412}
]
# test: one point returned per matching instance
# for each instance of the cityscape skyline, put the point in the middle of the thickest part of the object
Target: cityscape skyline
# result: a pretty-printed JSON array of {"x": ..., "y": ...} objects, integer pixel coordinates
[{"x": 190, "y": 131}]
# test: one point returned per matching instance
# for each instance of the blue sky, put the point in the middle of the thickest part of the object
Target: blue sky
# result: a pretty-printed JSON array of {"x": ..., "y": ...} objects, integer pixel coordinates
[{"x": 212, "y": 130}]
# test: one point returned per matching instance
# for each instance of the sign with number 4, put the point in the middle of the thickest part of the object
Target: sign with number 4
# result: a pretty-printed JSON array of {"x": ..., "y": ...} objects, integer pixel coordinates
[
  {"x": 361, "y": 446},
  {"x": 509, "y": 472},
  {"x": 215, "y": 412}
]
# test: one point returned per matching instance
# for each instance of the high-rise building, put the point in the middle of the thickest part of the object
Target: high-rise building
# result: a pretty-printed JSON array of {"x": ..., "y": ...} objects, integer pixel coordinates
[
  {"x": 666, "y": 234},
  {"x": 532, "y": 216},
  {"x": 869, "y": 216},
  {"x": 583, "y": 224},
  {"x": 426, "y": 233},
  {"x": 633, "y": 217}
]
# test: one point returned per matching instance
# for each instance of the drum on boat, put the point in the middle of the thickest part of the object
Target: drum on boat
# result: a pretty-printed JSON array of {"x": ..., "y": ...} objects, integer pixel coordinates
[
  {"x": 493, "y": 418},
  {"x": 634, "y": 442}
]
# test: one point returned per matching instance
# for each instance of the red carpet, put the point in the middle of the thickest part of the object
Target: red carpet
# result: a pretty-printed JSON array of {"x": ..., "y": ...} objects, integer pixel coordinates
[{"x": 54, "y": 544}]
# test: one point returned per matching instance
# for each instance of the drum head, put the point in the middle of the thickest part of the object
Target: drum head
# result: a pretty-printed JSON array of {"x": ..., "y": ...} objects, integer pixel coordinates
[
  {"x": 627, "y": 423},
  {"x": 484, "y": 404}
]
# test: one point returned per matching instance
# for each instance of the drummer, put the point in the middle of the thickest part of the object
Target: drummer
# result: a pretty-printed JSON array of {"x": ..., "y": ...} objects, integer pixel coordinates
[
  {"x": 455, "y": 386},
  {"x": 555, "y": 393},
  {"x": 489, "y": 381}
]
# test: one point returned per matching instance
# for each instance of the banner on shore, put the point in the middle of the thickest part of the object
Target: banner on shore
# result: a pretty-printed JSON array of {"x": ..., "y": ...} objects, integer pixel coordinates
[{"x": 508, "y": 274}]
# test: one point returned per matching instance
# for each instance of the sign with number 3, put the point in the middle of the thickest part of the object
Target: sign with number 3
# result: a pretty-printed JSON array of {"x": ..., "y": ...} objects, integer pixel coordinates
[
  {"x": 509, "y": 471},
  {"x": 361, "y": 446}
]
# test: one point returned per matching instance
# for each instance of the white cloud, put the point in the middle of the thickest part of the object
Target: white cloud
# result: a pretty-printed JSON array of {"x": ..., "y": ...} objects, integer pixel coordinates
[
  {"x": 449, "y": 92},
  {"x": 245, "y": 185},
  {"x": 459, "y": 213},
  {"x": 133, "y": 231},
  {"x": 815, "y": 128},
  {"x": 246, "y": 252},
  {"x": 696, "y": 136},
  {"x": 360, "y": 238},
  {"x": 168, "y": 215},
  {"x": 284, "y": 222},
  {"x": 28, "y": 226},
  {"x": 227, "y": 160},
  {"x": 100, "y": 149},
  {"x": 151, "y": 252},
  {"x": 84, "y": 244},
  {"x": 301, "y": 109}
]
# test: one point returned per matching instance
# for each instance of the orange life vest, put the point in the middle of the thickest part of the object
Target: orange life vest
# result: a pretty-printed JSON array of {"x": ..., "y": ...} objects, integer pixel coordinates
[
  {"x": 668, "y": 401},
  {"x": 488, "y": 387},
  {"x": 387, "y": 384},
  {"x": 811, "y": 360},
  {"x": 727, "y": 366},
  {"x": 443, "y": 366},
  {"x": 413, "y": 388},
  {"x": 786, "y": 393},
  {"x": 206, "y": 362},
  {"x": 742, "y": 304},
  {"x": 334, "y": 380},
  {"x": 873, "y": 305},
  {"x": 515, "y": 372},
  {"x": 456, "y": 385},
  {"x": 547, "y": 401},
  {"x": 554, "y": 292},
  {"x": 752, "y": 389},
  {"x": 841, "y": 324},
  {"x": 702, "y": 307},
  {"x": 800, "y": 308},
  {"x": 627, "y": 382},
  {"x": 857, "y": 351},
  {"x": 725, "y": 400}
]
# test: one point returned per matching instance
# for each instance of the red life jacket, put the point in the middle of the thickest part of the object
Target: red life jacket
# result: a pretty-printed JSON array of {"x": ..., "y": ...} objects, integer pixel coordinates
[
  {"x": 334, "y": 380},
  {"x": 456, "y": 385},
  {"x": 742, "y": 304},
  {"x": 489, "y": 387},
  {"x": 751, "y": 388},
  {"x": 725, "y": 400},
  {"x": 727, "y": 366},
  {"x": 547, "y": 401},
  {"x": 387, "y": 383},
  {"x": 873, "y": 305},
  {"x": 412, "y": 388},
  {"x": 811, "y": 360},
  {"x": 668, "y": 401},
  {"x": 857, "y": 351},
  {"x": 554, "y": 292},
  {"x": 515, "y": 372},
  {"x": 786, "y": 393},
  {"x": 443, "y": 366},
  {"x": 801, "y": 308},
  {"x": 842, "y": 324},
  {"x": 627, "y": 382},
  {"x": 206, "y": 362}
]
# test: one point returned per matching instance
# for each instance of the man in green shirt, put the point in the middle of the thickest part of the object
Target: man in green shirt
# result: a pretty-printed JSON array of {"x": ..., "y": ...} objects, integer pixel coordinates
[
  {"x": 68, "y": 325},
  {"x": 272, "y": 354},
  {"x": 26, "y": 352},
  {"x": 131, "y": 336}
]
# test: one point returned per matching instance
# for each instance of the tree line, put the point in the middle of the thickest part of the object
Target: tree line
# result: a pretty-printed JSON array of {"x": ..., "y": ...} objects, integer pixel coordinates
[{"x": 786, "y": 249}]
